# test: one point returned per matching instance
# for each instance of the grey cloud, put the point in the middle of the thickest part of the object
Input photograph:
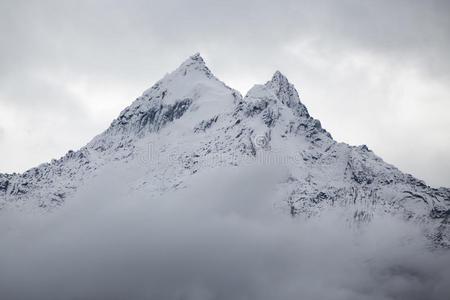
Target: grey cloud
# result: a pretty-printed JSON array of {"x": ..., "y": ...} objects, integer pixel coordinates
[
  {"x": 39, "y": 96},
  {"x": 90, "y": 35},
  {"x": 221, "y": 242}
]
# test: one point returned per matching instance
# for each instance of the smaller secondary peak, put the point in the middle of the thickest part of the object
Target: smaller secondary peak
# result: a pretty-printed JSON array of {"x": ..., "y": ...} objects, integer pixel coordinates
[
  {"x": 278, "y": 77},
  {"x": 286, "y": 93},
  {"x": 280, "y": 83}
]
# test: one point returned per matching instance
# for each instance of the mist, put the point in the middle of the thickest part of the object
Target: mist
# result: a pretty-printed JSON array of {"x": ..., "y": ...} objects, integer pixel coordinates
[{"x": 219, "y": 236}]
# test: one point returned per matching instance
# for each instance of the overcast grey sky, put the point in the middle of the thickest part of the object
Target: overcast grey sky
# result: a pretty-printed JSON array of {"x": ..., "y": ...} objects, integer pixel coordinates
[{"x": 373, "y": 72}]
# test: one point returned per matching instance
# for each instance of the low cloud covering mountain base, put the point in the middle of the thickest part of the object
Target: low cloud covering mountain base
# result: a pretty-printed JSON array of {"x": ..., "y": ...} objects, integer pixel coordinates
[{"x": 217, "y": 238}]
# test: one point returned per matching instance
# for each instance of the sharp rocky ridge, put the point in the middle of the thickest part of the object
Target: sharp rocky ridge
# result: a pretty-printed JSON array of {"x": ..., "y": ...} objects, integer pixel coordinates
[{"x": 190, "y": 121}]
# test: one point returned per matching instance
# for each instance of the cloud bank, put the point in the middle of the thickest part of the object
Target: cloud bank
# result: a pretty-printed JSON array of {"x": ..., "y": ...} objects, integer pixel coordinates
[{"x": 219, "y": 238}]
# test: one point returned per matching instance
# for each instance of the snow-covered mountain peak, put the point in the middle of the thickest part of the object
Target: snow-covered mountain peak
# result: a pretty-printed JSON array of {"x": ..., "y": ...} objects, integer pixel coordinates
[
  {"x": 193, "y": 122},
  {"x": 194, "y": 64},
  {"x": 277, "y": 104},
  {"x": 286, "y": 93},
  {"x": 191, "y": 71},
  {"x": 279, "y": 78},
  {"x": 190, "y": 88}
]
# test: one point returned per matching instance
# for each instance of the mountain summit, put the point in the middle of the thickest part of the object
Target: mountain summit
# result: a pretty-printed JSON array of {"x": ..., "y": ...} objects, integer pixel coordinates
[{"x": 190, "y": 121}]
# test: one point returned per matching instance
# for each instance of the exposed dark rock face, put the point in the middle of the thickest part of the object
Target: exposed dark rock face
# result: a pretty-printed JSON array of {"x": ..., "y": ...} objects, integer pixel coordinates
[
  {"x": 4, "y": 183},
  {"x": 151, "y": 118},
  {"x": 205, "y": 124}
]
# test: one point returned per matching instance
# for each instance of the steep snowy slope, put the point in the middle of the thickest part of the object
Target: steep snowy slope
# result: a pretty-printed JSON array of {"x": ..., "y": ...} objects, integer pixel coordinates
[{"x": 190, "y": 121}]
